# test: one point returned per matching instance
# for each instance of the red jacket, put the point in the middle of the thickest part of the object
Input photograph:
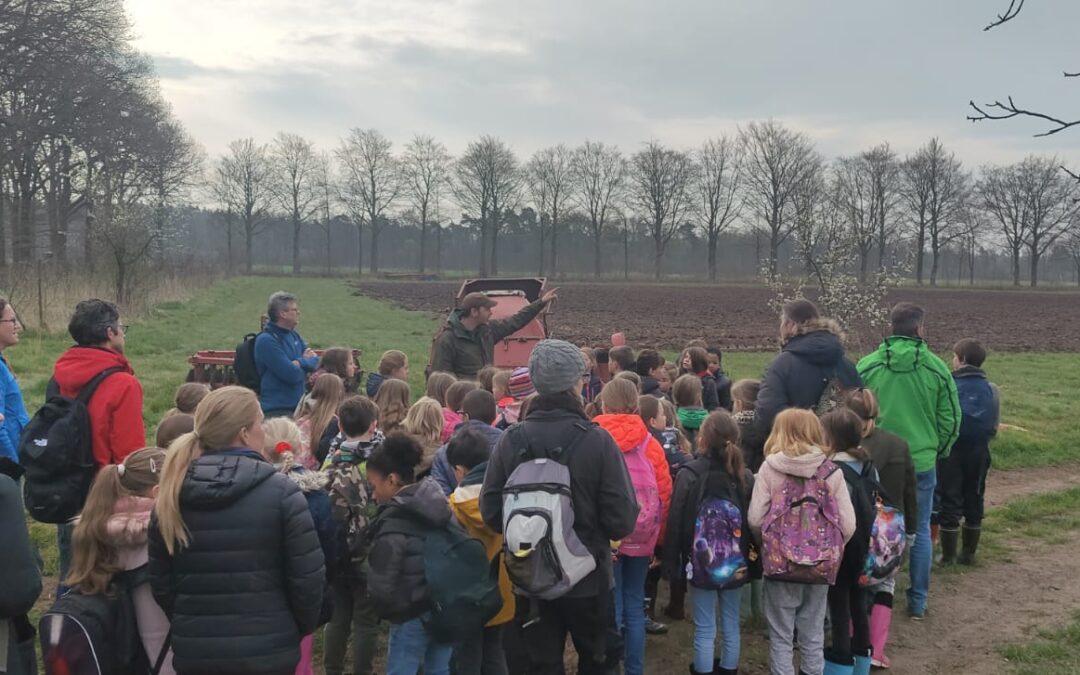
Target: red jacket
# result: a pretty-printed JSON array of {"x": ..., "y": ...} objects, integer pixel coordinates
[
  {"x": 116, "y": 408},
  {"x": 628, "y": 432}
]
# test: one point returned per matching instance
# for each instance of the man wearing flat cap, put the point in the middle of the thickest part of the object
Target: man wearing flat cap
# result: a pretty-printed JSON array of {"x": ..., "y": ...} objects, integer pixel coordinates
[{"x": 468, "y": 343}]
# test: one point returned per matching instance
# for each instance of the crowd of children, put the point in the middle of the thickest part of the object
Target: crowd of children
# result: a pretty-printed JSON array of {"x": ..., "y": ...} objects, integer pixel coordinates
[{"x": 789, "y": 523}]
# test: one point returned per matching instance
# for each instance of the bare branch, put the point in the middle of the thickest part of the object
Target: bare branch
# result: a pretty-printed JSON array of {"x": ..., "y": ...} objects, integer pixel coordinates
[
  {"x": 1010, "y": 110},
  {"x": 1010, "y": 14},
  {"x": 1068, "y": 74}
]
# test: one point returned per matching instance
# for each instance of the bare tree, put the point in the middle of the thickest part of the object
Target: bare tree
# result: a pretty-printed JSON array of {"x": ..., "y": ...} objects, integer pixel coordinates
[
  {"x": 246, "y": 171},
  {"x": 551, "y": 180},
  {"x": 853, "y": 187},
  {"x": 661, "y": 188},
  {"x": 777, "y": 164},
  {"x": 884, "y": 172},
  {"x": 219, "y": 189},
  {"x": 425, "y": 170},
  {"x": 371, "y": 181},
  {"x": 294, "y": 165},
  {"x": 324, "y": 187},
  {"x": 935, "y": 192},
  {"x": 1001, "y": 194},
  {"x": 488, "y": 181},
  {"x": 1008, "y": 109},
  {"x": 718, "y": 184},
  {"x": 1072, "y": 246},
  {"x": 600, "y": 173}
]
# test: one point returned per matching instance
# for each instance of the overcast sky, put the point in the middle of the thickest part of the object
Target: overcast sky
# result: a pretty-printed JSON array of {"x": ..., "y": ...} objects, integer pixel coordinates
[{"x": 850, "y": 73}]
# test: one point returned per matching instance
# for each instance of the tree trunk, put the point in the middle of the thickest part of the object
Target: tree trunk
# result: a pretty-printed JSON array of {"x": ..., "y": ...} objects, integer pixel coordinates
[
  {"x": 935, "y": 253},
  {"x": 543, "y": 241},
  {"x": 774, "y": 252},
  {"x": 596, "y": 254},
  {"x": 329, "y": 251},
  {"x": 359, "y": 248},
  {"x": 1034, "y": 269},
  {"x": 228, "y": 247},
  {"x": 484, "y": 246},
  {"x": 423, "y": 239},
  {"x": 864, "y": 263},
  {"x": 1016, "y": 267},
  {"x": 658, "y": 258},
  {"x": 438, "y": 248},
  {"x": 713, "y": 240},
  {"x": 495, "y": 245},
  {"x": 296, "y": 245},
  {"x": 375, "y": 232},
  {"x": 249, "y": 240},
  {"x": 881, "y": 246},
  {"x": 3, "y": 225},
  {"x": 554, "y": 245},
  {"x": 920, "y": 244},
  {"x": 626, "y": 253}
]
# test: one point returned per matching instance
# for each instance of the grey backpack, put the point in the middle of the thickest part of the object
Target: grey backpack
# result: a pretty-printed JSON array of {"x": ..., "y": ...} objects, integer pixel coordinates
[{"x": 543, "y": 555}]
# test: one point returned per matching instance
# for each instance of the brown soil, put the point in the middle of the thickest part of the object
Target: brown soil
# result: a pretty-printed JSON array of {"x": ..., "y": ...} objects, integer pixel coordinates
[
  {"x": 1005, "y": 486},
  {"x": 738, "y": 317}
]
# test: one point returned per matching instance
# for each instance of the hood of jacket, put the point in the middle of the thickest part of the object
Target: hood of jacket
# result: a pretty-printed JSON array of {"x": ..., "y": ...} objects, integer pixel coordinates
[
  {"x": 802, "y": 466},
  {"x": 424, "y": 500},
  {"x": 459, "y": 329},
  {"x": 903, "y": 354},
  {"x": 969, "y": 371},
  {"x": 491, "y": 433},
  {"x": 356, "y": 452},
  {"x": 308, "y": 480},
  {"x": 374, "y": 381},
  {"x": 78, "y": 365},
  {"x": 650, "y": 387},
  {"x": 691, "y": 418},
  {"x": 219, "y": 479},
  {"x": 627, "y": 430},
  {"x": 819, "y": 342}
]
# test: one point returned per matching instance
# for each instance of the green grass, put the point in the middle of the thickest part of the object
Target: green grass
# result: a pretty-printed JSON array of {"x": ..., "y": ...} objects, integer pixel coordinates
[
  {"x": 1050, "y": 517},
  {"x": 1050, "y": 653}
]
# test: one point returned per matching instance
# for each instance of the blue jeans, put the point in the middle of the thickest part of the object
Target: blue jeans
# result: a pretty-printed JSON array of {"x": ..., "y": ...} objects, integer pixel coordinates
[
  {"x": 630, "y": 576},
  {"x": 922, "y": 549},
  {"x": 704, "y": 602},
  {"x": 411, "y": 648}
]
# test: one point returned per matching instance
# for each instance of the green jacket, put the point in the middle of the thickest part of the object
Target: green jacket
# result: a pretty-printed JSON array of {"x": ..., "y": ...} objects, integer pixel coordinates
[
  {"x": 464, "y": 353},
  {"x": 917, "y": 397}
]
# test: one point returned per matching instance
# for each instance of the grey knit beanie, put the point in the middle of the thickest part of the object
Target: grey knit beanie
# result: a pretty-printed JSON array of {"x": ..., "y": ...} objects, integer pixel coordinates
[{"x": 556, "y": 366}]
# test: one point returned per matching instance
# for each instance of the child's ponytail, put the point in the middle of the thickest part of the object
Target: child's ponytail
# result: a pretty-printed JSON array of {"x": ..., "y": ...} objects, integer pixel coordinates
[{"x": 718, "y": 439}]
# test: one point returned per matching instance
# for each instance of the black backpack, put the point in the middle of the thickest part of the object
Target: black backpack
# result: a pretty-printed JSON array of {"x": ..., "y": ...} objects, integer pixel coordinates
[
  {"x": 57, "y": 452},
  {"x": 247, "y": 373},
  {"x": 97, "y": 634}
]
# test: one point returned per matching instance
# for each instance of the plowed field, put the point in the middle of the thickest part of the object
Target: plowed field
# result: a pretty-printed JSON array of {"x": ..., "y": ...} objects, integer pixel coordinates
[{"x": 738, "y": 318}]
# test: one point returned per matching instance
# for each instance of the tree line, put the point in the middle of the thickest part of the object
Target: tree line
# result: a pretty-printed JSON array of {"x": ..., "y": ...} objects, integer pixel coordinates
[{"x": 94, "y": 164}]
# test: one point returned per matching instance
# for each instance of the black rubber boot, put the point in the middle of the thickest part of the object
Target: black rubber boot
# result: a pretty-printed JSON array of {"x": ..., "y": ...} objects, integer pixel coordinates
[
  {"x": 694, "y": 672},
  {"x": 717, "y": 670},
  {"x": 949, "y": 539},
  {"x": 971, "y": 544}
]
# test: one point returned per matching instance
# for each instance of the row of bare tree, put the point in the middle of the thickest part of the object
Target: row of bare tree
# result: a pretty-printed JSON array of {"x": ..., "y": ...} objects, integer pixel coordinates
[
  {"x": 767, "y": 177},
  {"x": 84, "y": 133}
]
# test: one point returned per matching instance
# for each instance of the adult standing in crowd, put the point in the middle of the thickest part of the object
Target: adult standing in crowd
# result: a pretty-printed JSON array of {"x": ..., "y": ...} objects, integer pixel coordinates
[
  {"x": 811, "y": 355},
  {"x": 116, "y": 408},
  {"x": 604, "y": 505},
  {"x": 235, "y": 561},
  {"x": 282, "y": 357},
  {"x": 468, "y": 342},
  {"x": 13, "y": 410},
  {"x": 918, "y": 402}
]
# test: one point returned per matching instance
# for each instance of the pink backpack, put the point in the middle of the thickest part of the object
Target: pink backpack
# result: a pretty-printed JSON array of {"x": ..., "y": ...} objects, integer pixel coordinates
[
  {"x": 642, "y": 541},
  {"x": 801, "y": 539}
]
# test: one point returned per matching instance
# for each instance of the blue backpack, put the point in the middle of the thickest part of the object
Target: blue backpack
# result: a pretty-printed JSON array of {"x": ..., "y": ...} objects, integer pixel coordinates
[
  {"x": 720, "y": 550},
  {"x": 977, "y": 405}
]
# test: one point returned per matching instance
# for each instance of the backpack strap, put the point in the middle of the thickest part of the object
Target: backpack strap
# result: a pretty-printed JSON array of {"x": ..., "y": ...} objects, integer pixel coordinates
[
  {"x": 87, "y": 391},
  {"x": 519, "y": 441},
  {"x": 160, "y": 661}
]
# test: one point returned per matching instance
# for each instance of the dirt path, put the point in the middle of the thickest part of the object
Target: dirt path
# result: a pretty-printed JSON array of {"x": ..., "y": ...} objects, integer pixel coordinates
[
  {"x": 972, "y": 614},
  {"x": 1004, "y": 486}
]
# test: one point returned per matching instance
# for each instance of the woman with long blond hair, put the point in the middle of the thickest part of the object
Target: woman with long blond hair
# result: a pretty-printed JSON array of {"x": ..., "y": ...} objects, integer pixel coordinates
[
  {"x": 232, "y": 547},
  {"x": 318, "y": 422},
  {"x": 425, "y": 422},
  {"x": 111, "y": 538}
]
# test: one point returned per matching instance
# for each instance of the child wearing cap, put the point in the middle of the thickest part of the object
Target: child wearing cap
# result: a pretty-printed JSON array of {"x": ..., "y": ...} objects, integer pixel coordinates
[{"x": 518, "y": 388}]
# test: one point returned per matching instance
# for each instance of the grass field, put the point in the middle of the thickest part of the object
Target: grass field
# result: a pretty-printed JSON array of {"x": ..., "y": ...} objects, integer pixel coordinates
[{"x": 1040, "y": 408}]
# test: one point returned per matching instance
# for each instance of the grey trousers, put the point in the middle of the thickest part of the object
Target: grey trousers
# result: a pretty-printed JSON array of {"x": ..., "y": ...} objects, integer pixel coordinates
[{"x": 789, "y": 606}]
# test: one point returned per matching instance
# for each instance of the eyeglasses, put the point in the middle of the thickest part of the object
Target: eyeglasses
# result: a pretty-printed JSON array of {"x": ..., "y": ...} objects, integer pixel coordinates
[
  {"x": 11, "y": 321},
  {"x": 122, "y": 327}
]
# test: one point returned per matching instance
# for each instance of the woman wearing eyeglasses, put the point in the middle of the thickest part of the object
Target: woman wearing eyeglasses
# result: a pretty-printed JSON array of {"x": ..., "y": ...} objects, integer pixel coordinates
[{"x": 13, "y": 415}]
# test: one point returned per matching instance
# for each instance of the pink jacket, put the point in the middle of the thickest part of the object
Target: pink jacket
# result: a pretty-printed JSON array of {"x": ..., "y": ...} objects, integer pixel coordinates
[
  {"x": 779, "y": 465},
  {"x": 126, "y": 529}
]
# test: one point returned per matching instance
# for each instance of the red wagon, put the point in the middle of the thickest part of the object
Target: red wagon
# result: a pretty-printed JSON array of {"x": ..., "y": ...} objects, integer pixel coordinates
[{"x": 215, "y": 367}]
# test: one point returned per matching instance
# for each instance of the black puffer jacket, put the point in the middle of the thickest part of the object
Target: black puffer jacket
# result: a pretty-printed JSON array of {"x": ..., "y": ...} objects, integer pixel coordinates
[
  {"x": 20, "y": 583},
  {"x": 798, "y": 376},
  {"x": 396, "y": 560},
  {"x": 250, "y": 583}
]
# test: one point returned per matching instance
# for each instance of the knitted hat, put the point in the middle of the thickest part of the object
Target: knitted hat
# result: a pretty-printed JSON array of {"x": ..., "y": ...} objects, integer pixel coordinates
[
  {"x": 520, "y": 386},
  {"x": 556, "y": 366}
]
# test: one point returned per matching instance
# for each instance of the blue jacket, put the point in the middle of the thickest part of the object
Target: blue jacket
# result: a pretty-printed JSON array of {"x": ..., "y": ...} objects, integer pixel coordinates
[
  {"x": 14, "y": 410},
  {"x": 374, "y": 381},
  {"x": 282, "y": 382},
  {"x": 441, "y": 470}
]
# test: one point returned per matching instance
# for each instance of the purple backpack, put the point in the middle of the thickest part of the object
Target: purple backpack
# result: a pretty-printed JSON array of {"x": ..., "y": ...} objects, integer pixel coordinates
[
  {"x": 801, "y": 539},
  {"x": 642, "y": 541}
]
